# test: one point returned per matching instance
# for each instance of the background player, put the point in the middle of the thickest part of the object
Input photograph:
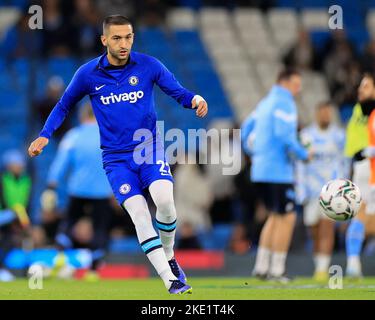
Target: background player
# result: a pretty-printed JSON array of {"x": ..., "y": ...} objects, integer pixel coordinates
[
  {"x": 327, "y": 140},
  {"x": 15, "y": 191},
  {"x": 78, "y": 162},
  {"x": 358, "y": 134},
  {"x": 120, "y": 84},
  {"x": 273, "y": 128}
]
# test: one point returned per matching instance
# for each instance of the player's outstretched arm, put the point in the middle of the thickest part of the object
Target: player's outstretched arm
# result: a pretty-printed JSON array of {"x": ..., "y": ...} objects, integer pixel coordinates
[
  {"x": 37, "y": 146},
  {"x": 201, "y": 105}
]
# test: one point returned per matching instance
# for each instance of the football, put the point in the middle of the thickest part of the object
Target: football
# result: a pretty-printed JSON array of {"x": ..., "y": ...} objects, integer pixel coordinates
[{"x": 340, "y": 199}]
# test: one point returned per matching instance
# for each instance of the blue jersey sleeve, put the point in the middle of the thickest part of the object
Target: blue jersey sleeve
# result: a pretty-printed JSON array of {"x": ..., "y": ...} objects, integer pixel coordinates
[
  {"x": 285, "y": 124},
  {"x": 169, "y": 84},
  {"x": 62, "y": 161},
  {"x": 246, "y": 132},
  {"x": 73, "y": 93}
]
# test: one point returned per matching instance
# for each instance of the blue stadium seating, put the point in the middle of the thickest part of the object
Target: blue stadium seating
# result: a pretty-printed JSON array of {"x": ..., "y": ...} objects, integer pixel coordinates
[
  {"x": 286, "y": 3},
  {"x": 217, "y": 238},
  {"x": 313, "y": 4},
  {"x": 21, "y": 4},
  {"x": 319, "y": 39},
  {"x": 127, "y": 244}
]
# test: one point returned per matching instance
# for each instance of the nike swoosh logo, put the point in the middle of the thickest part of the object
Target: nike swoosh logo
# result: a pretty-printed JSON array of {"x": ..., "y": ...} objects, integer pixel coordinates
[{"x": 98, "y": 88}]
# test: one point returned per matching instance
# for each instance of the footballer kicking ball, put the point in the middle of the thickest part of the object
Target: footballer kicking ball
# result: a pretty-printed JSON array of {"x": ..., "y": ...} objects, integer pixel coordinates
[{"x": 340, "y": 199}]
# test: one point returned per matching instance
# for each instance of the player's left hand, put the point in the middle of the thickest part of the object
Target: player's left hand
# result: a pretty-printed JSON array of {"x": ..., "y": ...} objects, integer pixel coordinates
[{"x": 201, "y": 105}]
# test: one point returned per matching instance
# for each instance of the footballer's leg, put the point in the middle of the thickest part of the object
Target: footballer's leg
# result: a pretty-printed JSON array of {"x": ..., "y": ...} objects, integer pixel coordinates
[
  {"x": 162, "y": 193},
  {"x": 322, "y": 232},
  {"x": 284, "y": 226},
  {"x": 355, "y": 236},
  {"x": 64, "y": 236},
  {"x": 323, "y": 253},
  {"x": 101, "y": 213},
  {"x": 150, "y": 242},
  {"x": 285, "y": 219},
  {"x": 263, "y": 257},
  {"x": 156, "y": 175},
  {"x": 262, "y": 261},
  {"x": 128, "y": 191}
]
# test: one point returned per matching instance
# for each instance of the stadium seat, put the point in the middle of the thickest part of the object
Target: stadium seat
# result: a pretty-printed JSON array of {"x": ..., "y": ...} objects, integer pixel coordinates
[
  {"x": 217, "y": 238},
  {"x": 314, "y": 3},
  {"x": 286, "y": 3},
  {"x": 370, "y": 22},
  {"x": 249, "y": 19},
  {"x": 8, "y": 18},
  {"x": 181, "y": 19},
  {"x": 193, "y": 4},
  {"x": 214, "y": 18},
  {"x": 125, "y": 245},
  {"x": 264, "y": 51},
  {"x": 284, "y": 27},
  {"x": 147, "y": 36},
  {"x": 63, "y": 67},
  {"x": 359, "y": 37},
  {"x": 315, "y": 19},
  {"x": 319, "y": 39}
]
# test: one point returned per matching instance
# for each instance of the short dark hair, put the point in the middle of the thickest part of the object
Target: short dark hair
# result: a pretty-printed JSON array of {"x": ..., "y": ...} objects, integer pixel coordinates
[
  {"x": 117, "y": 20},
  {"x": 286, "y": 73}
]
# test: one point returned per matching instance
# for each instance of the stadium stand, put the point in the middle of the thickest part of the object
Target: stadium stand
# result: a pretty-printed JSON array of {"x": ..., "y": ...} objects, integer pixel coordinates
[{"x": 238, "y": 53}]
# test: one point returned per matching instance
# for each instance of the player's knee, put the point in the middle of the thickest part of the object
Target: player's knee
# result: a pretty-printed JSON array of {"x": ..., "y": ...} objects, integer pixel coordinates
[
  {"x": 164, "y": 204},
  {"x": 166, "y": 208}
]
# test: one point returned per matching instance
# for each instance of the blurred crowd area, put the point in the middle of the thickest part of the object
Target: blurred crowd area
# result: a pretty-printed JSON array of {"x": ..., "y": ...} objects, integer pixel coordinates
[{"x": 233, "y": 45}]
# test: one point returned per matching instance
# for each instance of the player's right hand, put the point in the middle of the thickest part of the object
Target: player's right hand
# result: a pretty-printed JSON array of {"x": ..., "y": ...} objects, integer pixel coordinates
[
  {"x": 37, "y": 146},
  {"x": 201, "y": 105}
]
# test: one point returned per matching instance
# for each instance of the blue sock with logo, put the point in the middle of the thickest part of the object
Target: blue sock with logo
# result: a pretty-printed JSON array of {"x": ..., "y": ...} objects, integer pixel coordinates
[{"x": 354, "y": 238}]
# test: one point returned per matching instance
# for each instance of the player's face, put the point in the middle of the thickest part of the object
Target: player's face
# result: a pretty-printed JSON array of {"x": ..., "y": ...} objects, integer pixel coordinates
[
  {"x": 366, "y": 89},
  {"x": 119, "y": 41},
  {"x": 324, "y": 116},
  {"x": 295, "y": 85}
]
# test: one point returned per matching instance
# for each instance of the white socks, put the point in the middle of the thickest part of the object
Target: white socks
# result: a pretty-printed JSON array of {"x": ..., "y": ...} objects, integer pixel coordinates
[
  {"x": 262, "y": 262},
  {"x": 278, "y": 260},
  {"x": 322, "y": 262},
  {"x": 354, "y": 264},
  {"x": 147, "y": 237},
  {"x": 157, "y": 258}
]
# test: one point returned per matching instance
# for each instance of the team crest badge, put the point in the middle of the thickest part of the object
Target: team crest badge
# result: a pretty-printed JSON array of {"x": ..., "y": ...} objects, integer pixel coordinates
[
  {"x": 125, "y": 188},
  {"x": 133, "y": 80}
]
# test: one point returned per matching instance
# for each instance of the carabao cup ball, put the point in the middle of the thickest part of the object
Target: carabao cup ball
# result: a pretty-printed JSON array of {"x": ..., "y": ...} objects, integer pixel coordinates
[{"x": 340, "y": 199}]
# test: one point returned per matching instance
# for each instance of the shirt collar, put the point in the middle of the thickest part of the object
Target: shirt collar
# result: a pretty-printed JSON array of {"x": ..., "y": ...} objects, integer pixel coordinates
[{"x": 104, "y": 63}]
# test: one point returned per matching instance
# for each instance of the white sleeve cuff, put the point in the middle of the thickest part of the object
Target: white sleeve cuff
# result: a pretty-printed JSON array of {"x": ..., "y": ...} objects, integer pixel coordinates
[{"x": 198, "y": 99}]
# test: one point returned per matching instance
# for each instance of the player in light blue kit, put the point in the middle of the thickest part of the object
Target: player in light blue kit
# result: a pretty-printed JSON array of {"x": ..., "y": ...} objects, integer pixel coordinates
[
  {"x": 328, "y": 141},
  {"x": 272, "y": 133},
  {"x": 120, "y": 85}
]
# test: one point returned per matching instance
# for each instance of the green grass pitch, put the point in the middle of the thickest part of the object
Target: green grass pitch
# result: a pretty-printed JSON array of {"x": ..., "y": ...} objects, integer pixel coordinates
[{"x": 203, "y": 288}]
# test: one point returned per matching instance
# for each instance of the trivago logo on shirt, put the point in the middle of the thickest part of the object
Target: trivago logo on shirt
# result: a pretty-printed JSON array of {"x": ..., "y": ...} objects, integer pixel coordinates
[{"x": 132, "y": 97}]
